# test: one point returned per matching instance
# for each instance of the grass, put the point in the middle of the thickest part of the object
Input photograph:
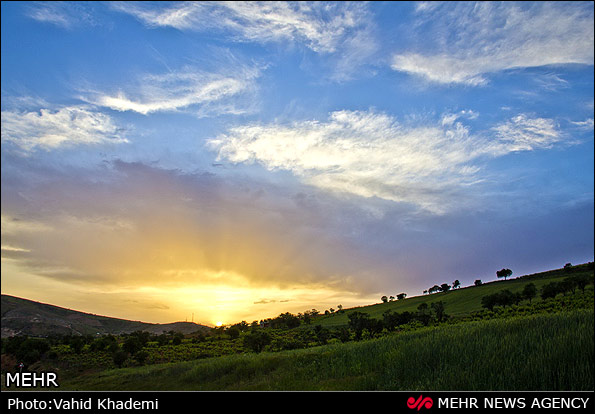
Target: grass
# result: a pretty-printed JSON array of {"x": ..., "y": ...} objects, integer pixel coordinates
[
  {"x": 537, "y": 352},
  {"x": 458, "y": 302}
]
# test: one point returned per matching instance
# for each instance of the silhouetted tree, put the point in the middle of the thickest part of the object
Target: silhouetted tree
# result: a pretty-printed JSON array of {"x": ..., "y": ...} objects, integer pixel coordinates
[
  {"x": 434, "y": 289},
  {"x": 504, "y": 273}
]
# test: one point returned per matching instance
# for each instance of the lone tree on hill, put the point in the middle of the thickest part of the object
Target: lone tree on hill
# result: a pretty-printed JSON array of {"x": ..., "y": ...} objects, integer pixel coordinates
[{"x": 504, "y": 273}]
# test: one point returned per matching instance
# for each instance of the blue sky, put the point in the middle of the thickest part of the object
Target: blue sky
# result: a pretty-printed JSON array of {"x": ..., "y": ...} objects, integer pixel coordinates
[{"x": 238, "y": 160}]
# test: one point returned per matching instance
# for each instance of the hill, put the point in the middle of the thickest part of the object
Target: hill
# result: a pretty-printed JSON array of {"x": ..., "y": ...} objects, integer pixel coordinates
[
  {"x": 536, "y": 352},
  {"x": 27, "y": 317},
  {"x": 458, "y": 302}
]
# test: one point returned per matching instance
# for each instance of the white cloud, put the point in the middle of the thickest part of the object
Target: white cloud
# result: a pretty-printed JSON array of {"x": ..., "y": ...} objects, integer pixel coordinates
[
  {"x": 369, "y": 154},
  {"x": 321, "y": 26},
  {"x": 449, "y": 119},
  {"x": 361, "y": 153},
  {"x": 184, "y": 90},
  {"x": 50, "y": 129},
  {"x": 587, "y": 124},
  {"x": 66, "y": 15},
  {"x": 522, "y": 133},
  {"x": 474, "y": 39}
]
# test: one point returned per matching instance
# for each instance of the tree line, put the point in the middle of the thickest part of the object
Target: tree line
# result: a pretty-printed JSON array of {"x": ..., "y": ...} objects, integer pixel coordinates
[{"x": 551, "y": 290}]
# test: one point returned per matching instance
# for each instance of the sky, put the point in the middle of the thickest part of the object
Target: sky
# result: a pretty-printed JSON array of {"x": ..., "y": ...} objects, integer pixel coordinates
[{"x": 225, "y": 161}]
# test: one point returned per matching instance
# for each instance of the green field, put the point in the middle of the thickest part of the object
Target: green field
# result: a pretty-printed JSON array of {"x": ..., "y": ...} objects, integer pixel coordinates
[
  {"x": 539, "y": 352},
  {"x": 458, "y": 302}
]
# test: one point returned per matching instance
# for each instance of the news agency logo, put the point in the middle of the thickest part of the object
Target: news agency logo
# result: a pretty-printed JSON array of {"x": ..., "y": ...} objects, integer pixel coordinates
[{"x": 420, "y": 403}]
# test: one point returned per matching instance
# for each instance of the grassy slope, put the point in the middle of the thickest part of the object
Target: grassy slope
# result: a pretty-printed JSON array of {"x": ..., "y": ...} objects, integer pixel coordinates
[
  {"x": 458, "y": 302},
  {"x": 539, "y": 352}
]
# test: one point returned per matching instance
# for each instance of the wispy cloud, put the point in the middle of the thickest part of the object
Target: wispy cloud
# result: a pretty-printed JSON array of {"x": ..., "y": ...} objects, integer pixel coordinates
[
  {"x": 321, "y": 26},
  {"x": 369, "y": 154},
  {"x": 523, "y": 133},
  {"x": 50, "y": 129},
  {"x": 66, "y": 15},
  {"x": 186, "y": 89},
  {"x": 474, "y": 39}
]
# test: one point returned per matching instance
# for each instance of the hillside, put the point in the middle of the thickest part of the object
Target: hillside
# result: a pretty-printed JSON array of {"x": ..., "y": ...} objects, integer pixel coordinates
[
  {"x": 500, "y": 354},
  {"x": 458, "y": 302},
  {"x": 26, "y": 317}
]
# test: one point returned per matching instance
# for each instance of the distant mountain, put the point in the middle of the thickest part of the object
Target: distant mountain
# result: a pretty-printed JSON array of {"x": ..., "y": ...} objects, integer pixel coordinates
[{"x": 26, "y": 317}]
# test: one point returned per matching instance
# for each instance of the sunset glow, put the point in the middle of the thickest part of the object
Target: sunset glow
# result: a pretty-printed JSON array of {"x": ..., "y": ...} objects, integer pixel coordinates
[{"x": 230, "y": 161}]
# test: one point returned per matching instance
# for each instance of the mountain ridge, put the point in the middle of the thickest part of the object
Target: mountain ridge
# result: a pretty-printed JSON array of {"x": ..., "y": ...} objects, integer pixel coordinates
[{"x": 22, "y": 316}]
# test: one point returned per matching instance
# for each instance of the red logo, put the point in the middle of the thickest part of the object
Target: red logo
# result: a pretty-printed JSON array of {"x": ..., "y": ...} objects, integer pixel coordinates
[{"x": 420, "y": 402}]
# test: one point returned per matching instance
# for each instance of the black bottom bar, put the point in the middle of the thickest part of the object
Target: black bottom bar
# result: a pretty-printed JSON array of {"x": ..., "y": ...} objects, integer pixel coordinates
[{"x": 407, "y": 401}]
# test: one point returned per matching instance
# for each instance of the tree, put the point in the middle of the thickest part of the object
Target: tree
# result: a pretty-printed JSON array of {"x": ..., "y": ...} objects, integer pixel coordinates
[
  {"x": 550, "y": 290},
  {"x": 504, "y": 273},
  {"x": 567, "y": 285},
  {"x": 438, "y": 307},
  {"x": 456, "y": 284},
  {"x": 76, "y": 344},
  {"x": 422, "y": 315},
  {"x": 582, "y": 281},
  {"x": 401, "y": 296},
  {"x": 358, "y": 321},
  {"x": 445, "y": 287},
  {"x": 178, "y": 336},
  {"x": 141, "y": 357},
  {"x": 502, "y": 298},
  {"x": 257, "y": 340},
  {"x": 132, "y": 345},
  {"x": 506, "y": 297},
  {"x": 478, "y": 282},
  {"x": 233, "y": 332},
  {"x": 321, "y": 333},
  {"x": 529, "y": 291},
  {"x": 390, "y": 319},
  {"x": 384, "y": 299},
  {"x": 434, "y": 289},
  {"x": 489, "y": 301},
  {"x": 119, "y": 357}
]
